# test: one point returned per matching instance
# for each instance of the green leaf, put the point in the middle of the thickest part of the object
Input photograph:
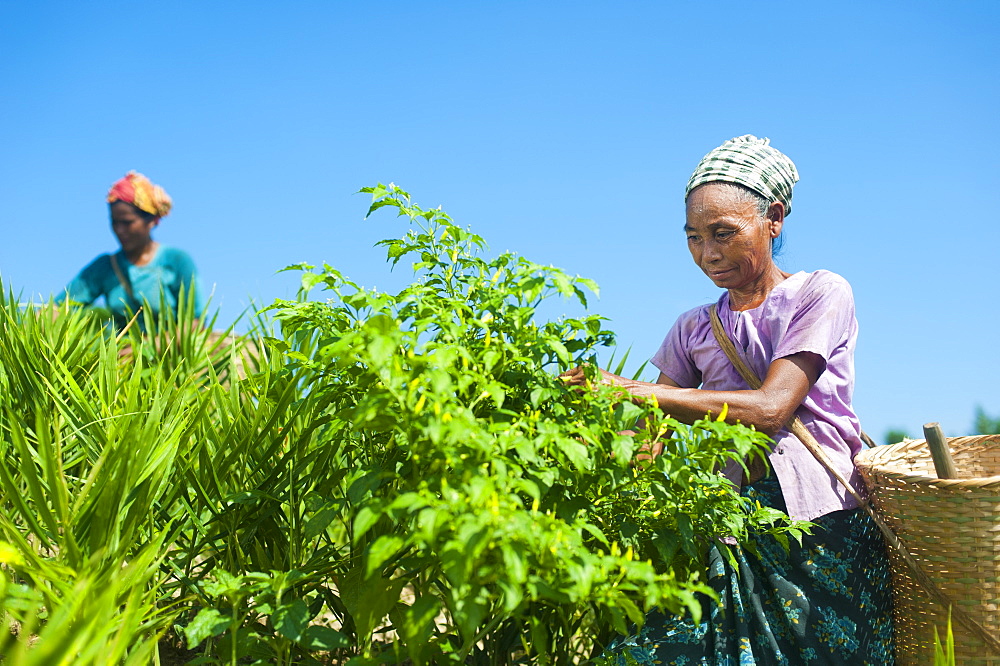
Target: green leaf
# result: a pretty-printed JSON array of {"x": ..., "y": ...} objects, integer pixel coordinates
[
  {"x": 277, "y": 345},
  {"x": 381, "y": 550},
  {"x": 291, "y": 619},
  {"x": 301, "y": 266},
  {"x": 632, "y": 610},
  {"x": 576, "y": 452},
  {"x": 496, "y": 392},
  {"x": 317, "y": 637},
  {"x": 310, "y": 280},
  {"x": 381, "y": 324},
  {"x": 368, "y": 600},
  {"x": 408, "y": 502},
  {"x": 589, "y": 284},
  {"x": 596, "y": 533},
  {"x": 561, "y": 352},
  {"x": 563, "y": 283},
  {"x": 540, "y": 394},
  {"x": 208, "y": 623},
  {"x": 622, "y": 448},
  {"x": 364, "y": 521},
  {"x": 628, "y": 413},
  {"x": 422, "y": 612},
  {"x": 361, "y": 487},
  {"x": 321, "y": 520}
]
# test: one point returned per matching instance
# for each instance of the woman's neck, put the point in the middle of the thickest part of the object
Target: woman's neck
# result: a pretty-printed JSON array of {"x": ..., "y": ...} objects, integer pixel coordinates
[
  {"x": 143, "y": 255},
  {"x": 752, "y": 295}
]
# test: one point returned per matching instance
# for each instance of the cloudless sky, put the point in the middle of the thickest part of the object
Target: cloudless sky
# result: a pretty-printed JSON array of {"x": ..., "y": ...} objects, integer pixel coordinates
[{"x": 563, "y": 131}]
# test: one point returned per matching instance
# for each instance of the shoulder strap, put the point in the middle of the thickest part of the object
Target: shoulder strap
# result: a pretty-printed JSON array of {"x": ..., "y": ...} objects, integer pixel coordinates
[
  {"x": 797, "y": 428},
  {"x": 122, "y": 280},
  {"x": 729, "y": 348},
  {"x": 794, "y": 425}
]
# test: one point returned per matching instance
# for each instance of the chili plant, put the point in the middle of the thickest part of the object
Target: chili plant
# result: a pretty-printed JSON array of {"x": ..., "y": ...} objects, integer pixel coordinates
[{"x": 487, "y": 512}]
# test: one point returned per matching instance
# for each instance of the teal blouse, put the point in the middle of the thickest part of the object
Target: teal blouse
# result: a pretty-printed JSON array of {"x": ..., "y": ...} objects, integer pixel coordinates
[{"x": 169, "y": 270}]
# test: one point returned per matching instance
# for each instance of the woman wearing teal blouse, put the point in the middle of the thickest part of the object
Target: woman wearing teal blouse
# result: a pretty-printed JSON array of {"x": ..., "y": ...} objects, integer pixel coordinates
[{"x": 143, "y": 269}]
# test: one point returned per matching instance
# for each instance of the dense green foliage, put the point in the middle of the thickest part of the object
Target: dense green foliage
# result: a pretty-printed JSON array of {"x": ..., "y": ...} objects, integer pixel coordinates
[
  {"x": 985, "y": 425},
  {"x": 401, "y": 477},
  {"x": 896, "y": 435}
]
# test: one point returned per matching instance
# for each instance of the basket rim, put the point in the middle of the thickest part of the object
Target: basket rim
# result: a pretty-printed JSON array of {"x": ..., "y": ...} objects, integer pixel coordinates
[{"x": 880, "y": 459}]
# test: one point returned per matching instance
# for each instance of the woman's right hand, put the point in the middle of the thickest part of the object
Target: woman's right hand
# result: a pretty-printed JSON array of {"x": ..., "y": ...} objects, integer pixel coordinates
[{"x": 577, "y": 377}]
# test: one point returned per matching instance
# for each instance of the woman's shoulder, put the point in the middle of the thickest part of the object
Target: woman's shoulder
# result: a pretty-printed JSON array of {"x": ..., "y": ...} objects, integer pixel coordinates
[
  {"x": 100, "y": 264},
  {"x": 806, "y": 286},
  {"x": 695, "y": 316},
  {"x": 693, "y": 325},
  {"x": 171, "y": 251},
  {"x": 808, "y": 297},
  {"x": 171, "y": 255},
  {"x": 825, "y": 277}
]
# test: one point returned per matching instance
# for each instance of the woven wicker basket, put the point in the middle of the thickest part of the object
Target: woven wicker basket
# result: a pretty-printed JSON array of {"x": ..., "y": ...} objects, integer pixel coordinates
[{"x": 951, "y": 527}]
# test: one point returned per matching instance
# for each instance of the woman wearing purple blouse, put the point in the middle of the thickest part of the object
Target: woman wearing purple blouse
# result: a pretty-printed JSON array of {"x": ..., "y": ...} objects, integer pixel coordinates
[{"x": 829, "y": 600}]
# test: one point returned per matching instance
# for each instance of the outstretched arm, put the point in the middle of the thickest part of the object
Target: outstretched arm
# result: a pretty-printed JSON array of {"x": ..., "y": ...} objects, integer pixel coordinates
[{"x": 768, "y": 408}]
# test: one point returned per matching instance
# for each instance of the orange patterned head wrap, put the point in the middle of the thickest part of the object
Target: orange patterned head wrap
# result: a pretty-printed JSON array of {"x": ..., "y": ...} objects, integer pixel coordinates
[{"x": 137, "y": 190}]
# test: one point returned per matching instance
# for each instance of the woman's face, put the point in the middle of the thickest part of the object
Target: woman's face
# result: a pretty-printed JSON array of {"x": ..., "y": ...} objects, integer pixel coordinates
[
  {"x": 727, "y": 238},
  {"x": 130, "y": 226}
]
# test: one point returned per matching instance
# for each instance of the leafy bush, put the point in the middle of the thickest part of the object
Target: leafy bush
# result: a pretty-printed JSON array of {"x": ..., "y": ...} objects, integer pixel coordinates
[
  {"x": 985, "y": 425},
  {"x": 403, "y": 478},
  {"x": 896, "y": 435}
]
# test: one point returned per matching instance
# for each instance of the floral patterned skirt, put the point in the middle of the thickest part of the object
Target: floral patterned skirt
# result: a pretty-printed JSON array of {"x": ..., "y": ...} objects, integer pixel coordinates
[{"x": 828, "y": 601}]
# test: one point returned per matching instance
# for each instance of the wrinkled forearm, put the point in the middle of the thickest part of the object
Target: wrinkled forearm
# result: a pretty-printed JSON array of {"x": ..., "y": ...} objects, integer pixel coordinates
[
  {"x": 767, "y": 408},
  {"x": 756, "y": 408}
]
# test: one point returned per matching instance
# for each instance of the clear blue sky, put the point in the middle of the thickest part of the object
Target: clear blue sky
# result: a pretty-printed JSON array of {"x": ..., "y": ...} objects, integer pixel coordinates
[{"x": 562, "y": 131}]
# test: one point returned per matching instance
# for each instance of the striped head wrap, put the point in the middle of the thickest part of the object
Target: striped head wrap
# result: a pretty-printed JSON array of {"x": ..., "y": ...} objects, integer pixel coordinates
[
  {"x": 137, "y": 190},
  {"x": 751, "y": 162}
]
